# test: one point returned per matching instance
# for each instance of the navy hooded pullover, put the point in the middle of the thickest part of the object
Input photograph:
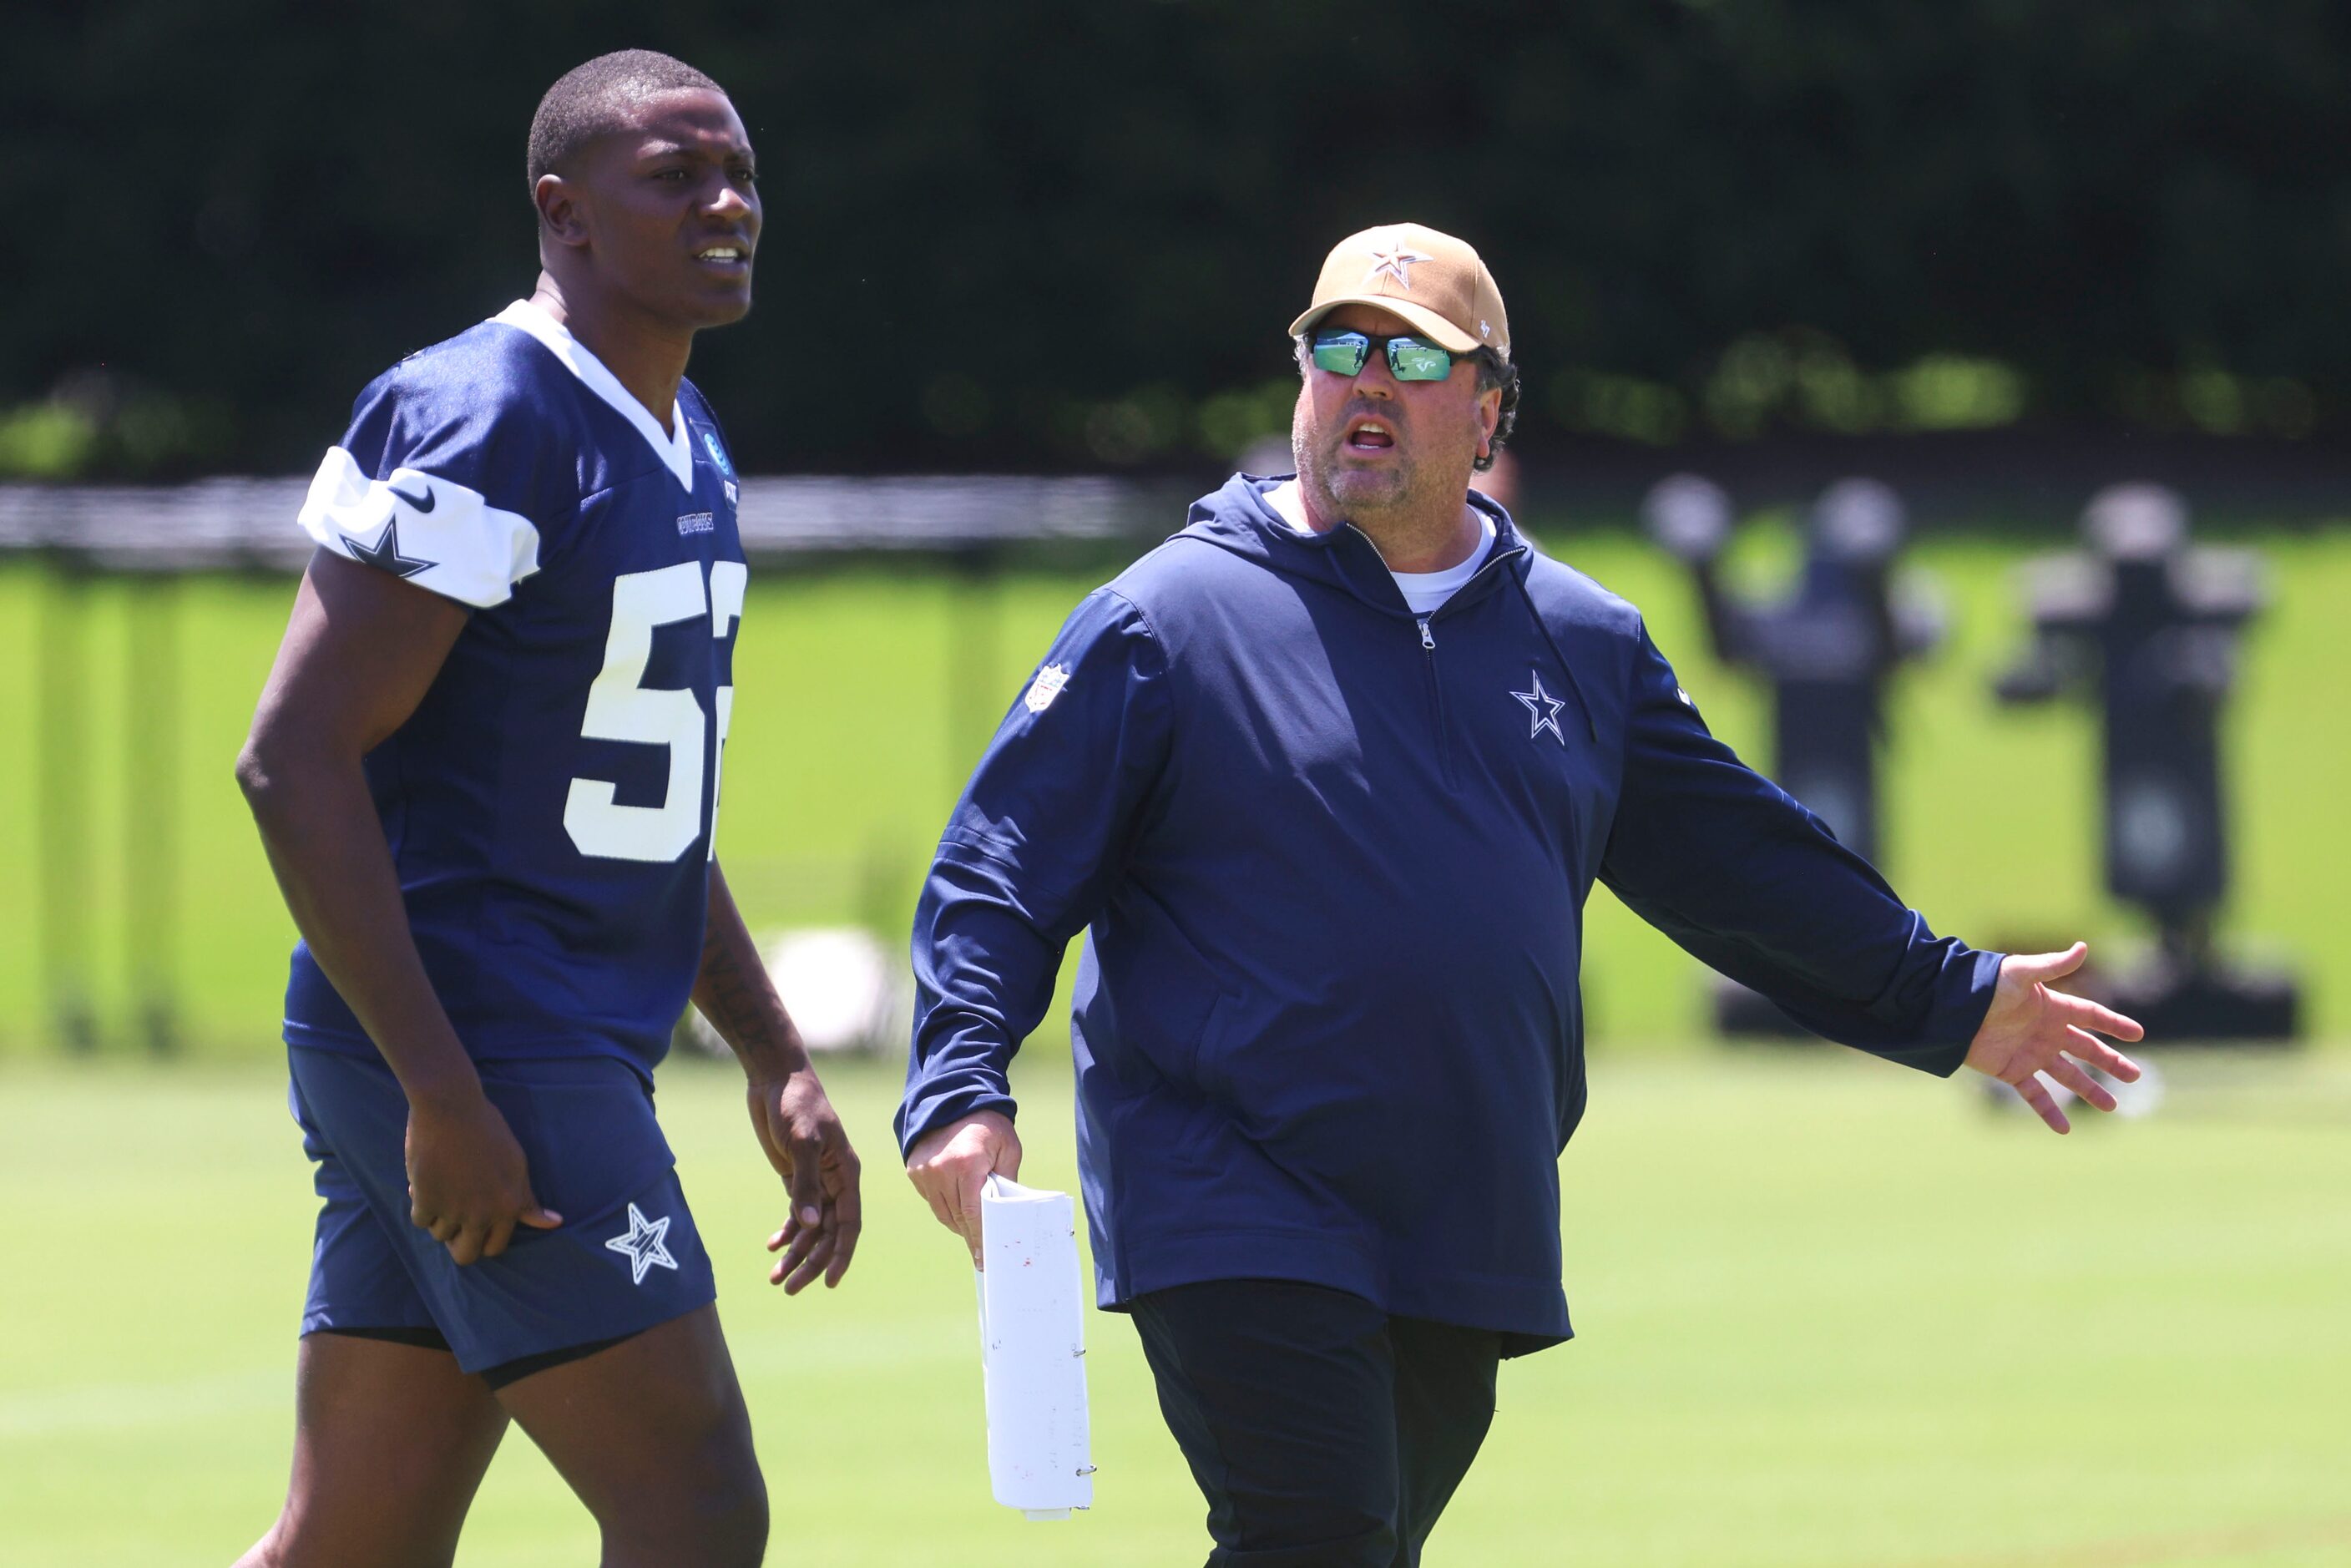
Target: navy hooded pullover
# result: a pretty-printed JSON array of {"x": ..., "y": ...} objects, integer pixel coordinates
[{"x": 1333, "y": 859}]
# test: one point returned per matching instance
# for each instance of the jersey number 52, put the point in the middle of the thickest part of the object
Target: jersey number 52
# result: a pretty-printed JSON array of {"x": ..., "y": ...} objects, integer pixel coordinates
[{"x": 620, "y": 708}]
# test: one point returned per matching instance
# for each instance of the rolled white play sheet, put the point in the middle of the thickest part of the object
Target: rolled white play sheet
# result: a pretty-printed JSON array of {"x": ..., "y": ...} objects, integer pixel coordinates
[{"x": 1032, "y": 1350}]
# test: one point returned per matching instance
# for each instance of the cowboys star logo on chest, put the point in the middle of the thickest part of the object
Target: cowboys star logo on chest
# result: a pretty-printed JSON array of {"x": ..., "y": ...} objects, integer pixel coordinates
[{"x": 1542, "y": 710}]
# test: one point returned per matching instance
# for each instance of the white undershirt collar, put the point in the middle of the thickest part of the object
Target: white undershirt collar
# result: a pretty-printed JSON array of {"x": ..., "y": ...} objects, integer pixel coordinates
[
  {"x": 676, "y": 452},
  {"x": 1424, "y": 591}
]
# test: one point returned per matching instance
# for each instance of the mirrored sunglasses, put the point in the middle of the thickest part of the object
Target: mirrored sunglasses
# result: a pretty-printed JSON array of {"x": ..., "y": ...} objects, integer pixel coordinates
[{"x": 1409, "y": 359}]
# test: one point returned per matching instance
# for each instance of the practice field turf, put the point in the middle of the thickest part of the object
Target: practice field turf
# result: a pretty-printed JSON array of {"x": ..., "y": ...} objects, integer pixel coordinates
[
  {"x": 864, "y": 694},
  {"x": 1834, "y": 1315}
]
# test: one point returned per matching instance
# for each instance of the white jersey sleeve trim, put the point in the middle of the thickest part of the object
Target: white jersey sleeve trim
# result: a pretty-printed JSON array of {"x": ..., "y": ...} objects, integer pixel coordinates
[
  {"x": 676, "y": 451},
  {"x": 434, "y": 532}
]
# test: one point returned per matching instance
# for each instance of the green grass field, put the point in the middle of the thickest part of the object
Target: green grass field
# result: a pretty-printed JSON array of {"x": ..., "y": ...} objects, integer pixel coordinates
[
  {"x": 1832, "y": 1315},
  {"x": 848, "y": 748}
]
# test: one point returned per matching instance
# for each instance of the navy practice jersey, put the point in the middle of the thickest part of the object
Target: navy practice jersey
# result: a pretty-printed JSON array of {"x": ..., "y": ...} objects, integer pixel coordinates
[{"x": 549, "y": 804}]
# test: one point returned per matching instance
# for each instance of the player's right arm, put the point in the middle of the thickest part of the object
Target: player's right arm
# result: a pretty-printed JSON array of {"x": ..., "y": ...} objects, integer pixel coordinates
[
  {"x": 360, "y": 653},
  {"x": 1025, "y": 861}
]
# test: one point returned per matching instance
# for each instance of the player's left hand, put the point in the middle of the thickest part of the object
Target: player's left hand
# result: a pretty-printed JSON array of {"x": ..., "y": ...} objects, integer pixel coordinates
[
  {"x": 810, "y": 1149},
  {"x": 2033, "y": 1029}
]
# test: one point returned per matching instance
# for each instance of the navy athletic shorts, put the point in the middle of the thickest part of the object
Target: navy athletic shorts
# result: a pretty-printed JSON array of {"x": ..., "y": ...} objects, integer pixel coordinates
[{"x": 626, "y": 1258}]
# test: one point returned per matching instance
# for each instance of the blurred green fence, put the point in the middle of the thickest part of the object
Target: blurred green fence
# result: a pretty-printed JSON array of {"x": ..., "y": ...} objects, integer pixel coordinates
[{"x": 140, "y": 901}]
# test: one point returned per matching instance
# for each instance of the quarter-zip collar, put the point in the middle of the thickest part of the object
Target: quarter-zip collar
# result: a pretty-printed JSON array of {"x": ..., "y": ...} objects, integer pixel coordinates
[{"x": 1239, "y": 518}]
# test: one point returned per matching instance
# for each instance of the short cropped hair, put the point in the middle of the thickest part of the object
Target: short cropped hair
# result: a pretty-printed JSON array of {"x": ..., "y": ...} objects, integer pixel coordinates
[
  {"x": 1493, "y": 370},
  {"x": 593, "y": 100}
]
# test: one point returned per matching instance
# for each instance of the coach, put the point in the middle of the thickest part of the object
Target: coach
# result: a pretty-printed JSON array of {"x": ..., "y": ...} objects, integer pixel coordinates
[{"x": 1329, "y": 776}]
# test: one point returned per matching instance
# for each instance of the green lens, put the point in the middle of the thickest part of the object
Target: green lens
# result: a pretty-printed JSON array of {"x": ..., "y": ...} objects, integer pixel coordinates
[
  {"x": 1340, "y": 353},
  {"x": 1410, "y": 360}
]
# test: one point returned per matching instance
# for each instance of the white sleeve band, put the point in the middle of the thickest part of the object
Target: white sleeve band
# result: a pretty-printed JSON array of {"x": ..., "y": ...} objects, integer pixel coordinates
[{"x": 434, "y": 532}]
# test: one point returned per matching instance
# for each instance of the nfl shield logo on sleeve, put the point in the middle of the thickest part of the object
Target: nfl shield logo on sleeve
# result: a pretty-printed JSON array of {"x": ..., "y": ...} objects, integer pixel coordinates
[{"x": 1046, "y": 687}]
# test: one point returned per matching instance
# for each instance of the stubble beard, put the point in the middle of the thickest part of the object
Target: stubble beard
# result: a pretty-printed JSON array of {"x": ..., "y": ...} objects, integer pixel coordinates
[
  {"x": 1362, "y": 495},
  {"x": 1402, "y": 504}
]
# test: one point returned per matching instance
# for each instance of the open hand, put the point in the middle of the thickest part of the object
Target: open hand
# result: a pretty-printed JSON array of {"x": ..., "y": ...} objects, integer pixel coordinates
[
  {"x": 951, "y": 1163},
  {"x": 2033, "y": 1029},
  {"x": 805, "y": 1143}
]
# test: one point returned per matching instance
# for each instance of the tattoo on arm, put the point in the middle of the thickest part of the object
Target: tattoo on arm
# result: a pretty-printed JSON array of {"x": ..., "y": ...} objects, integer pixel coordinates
[
  {"x": 733, "y": 991},
  {"x": 729, "y": 997}
]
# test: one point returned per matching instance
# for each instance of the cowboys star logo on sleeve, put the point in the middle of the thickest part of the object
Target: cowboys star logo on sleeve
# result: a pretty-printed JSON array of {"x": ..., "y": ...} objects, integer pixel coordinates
[{"x": 384, "y": 554}]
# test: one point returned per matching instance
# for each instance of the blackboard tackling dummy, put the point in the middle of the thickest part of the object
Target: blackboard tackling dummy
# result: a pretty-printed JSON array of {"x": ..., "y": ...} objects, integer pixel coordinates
[
  {"x": 2147, "y": 625},
  {"x": 1032, "y": 1338},
  {"x": 1829, "y": 649}
]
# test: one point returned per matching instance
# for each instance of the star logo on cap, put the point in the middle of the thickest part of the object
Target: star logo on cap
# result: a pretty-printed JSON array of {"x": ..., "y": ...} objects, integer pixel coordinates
[{"x": 1394, "y": 262}]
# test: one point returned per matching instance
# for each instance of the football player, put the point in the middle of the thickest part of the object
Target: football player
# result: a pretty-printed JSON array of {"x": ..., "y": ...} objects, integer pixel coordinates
[{"x": 486, "y": 768}]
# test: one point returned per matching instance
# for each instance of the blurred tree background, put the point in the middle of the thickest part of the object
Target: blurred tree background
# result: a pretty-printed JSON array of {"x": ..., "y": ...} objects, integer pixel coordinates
[{"x": 1068, "y": 234}]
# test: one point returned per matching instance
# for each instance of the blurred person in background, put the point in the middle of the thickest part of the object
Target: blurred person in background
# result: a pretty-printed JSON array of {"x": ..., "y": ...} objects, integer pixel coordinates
[
  {"x": 485, "y": 769},
  {"x": 1328, "y": 778}
]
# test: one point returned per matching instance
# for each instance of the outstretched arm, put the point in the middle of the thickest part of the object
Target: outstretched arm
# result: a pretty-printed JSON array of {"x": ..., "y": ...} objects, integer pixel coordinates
[
  {"x": 1731, "y": 867},
  {"x": 797, "y": 1125},
  {"x": 2031, "y": 1030},
  {"x": 1725, "y": 862}
]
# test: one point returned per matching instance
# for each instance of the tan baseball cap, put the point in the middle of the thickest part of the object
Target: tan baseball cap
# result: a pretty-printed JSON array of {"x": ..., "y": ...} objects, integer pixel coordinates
[{"x": 1434, "y": 281}]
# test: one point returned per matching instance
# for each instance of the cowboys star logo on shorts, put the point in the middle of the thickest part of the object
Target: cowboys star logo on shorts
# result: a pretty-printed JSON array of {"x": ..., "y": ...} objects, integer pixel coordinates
[
  {"x": 1046, "y": 687},
  {"x": 643, "y": 1244}
]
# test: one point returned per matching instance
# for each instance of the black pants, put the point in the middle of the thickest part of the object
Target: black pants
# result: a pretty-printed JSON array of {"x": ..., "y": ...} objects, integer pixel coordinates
[{"x": 1321, "y": 1430}]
